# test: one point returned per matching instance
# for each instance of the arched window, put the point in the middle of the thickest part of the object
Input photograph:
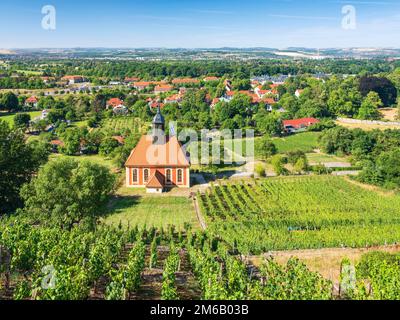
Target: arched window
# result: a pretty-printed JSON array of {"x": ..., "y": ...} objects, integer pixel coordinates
[
  {"x": 134, "y": 176},
  {"x": 179, "y": 179},
  {"x": 168, "y": 174},
  {"x": 146, "y": 175}
]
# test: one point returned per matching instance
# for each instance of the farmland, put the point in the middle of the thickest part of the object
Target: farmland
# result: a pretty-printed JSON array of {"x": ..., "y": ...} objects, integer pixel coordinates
[
  {"x": 120, "y": 125},
  {"x": 301, "y": 212}
]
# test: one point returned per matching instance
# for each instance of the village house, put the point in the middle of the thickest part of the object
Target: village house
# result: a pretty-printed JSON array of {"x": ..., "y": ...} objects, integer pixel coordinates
[
  {"x": 163, "y": 88},
  {"x": 31, "y": 102},
  {"x": 141, "y": 85},
  {"x": 73, "y": 79},
  {"x": 185, "y": 81},
  {"x": 297, "y": 125},
  {"x": 211, "y": 78},
  {"x": 158, "y": 162}
]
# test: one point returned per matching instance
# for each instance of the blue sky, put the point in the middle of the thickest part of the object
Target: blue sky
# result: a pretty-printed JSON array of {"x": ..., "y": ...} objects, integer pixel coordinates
[{"x": 194, "y": 24}]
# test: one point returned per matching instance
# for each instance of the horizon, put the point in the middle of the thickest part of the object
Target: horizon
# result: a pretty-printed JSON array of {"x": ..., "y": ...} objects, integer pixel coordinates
[{"x": 191, "y": 25}]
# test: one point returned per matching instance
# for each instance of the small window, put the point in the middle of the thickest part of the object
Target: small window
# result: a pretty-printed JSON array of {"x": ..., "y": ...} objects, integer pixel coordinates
[
  {"x": 134, "y": 176},
  {"x": 179, "y": 175},
  {"x": 146, "y": 175},
  {"x": 168, "y": 175}
]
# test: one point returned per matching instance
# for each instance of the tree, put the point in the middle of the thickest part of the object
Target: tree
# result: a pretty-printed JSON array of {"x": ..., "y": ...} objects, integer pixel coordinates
[
  {"x": 301, "y": 165},
  {"x": 265, "y": 147},
  {"x": 278, "y": 165},
  {"x": 260, "y": 170},
  {"x": 369, "y": 107},
  {"x": 72, "y": 139},
  {"x": 10, "y": 101},
  {"x": 21, "y": 120},
  {"x": 382, "y": 86},
  {"x": 269, "y": 123},
  {"x": 122, "y": 153},
  {"x": 67, "y": 191},
  {"x": 336, "y": 140},
  {"x": 18, "y": 163},
  {"x": 107, "y": 146}
]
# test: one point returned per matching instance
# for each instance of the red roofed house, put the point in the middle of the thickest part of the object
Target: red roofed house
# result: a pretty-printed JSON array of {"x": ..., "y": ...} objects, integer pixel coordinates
[
  {"x": 185, "y": 81},
  {"x": 158, "y": 161},
  {"x": 31, "y": 101},
  {"x": 163, "y": 88},
  {"x": 141, "y": 85},
  {"x": 73, "y": 79},
  {"x": 114, "y": 102},
  {"x": 298, "y": 124},
  {"x": 211, "y": 78}
]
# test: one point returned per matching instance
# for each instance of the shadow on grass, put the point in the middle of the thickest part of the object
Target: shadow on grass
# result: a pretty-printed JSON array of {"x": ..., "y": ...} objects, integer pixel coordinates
[{"x": 118, "y": 204}]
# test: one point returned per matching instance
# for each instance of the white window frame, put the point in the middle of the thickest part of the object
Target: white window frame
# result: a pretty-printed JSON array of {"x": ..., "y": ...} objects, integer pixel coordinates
[
  {"x": 166, "y": 177},
  {"x": 177, "y": 176},
  {"x": 148, "y": 177},
  {"x": 137, "y": 176}
]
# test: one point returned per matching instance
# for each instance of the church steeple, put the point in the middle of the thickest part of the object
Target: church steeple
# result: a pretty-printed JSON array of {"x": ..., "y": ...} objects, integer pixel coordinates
[
  {"x": 158, "y": 121},
  {"x": 158, "y": 128}
]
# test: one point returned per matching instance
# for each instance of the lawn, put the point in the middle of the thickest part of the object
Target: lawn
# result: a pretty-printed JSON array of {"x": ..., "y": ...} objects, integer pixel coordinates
[
  {"x": 151, "y": 210},
  {"x": 306, "y": 141},
  {"x": 324, "y": 158},
  {"x": 9, "y": 118},
  {"x": 93, "y": 158}
]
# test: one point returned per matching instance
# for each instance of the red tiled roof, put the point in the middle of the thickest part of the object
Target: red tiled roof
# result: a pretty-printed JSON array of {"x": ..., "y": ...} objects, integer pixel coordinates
[
  {"x": 131, "y": 79},
  {"x": 269, "y": 100},
  {"x": 212, "y": 78},
  {"x": 184, "y": 80},
  {"x": 298, "y": 123},
  {"x": 32, "y": 99},
  {"x": 163, "y": 87},
  {"x": 57, "y": 143},
  {"x": 156, "y": 181},
  {"x": 71, "y": 77},
  {"x": 168, "y": 154},
  {"x": 114, "y": 102}
]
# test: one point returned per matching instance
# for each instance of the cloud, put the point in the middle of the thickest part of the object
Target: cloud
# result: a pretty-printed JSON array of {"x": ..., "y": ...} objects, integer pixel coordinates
[{"x": 286, "y": 16}]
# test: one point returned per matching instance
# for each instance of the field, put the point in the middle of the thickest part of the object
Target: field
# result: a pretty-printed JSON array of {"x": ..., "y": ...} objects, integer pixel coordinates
[
  {"x": 151, "y": 211},
  {"x": 306, "y": 141},
  {"x": 119, "y": 125},
  {"x": 93, "y": 158},
  {"x": 9, "y": 118},
  {"x": 301, "y": 212}
]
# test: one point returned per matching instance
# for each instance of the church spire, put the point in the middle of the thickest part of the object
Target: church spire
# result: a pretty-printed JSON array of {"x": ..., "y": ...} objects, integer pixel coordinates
[{"x": 158, "y": 120}]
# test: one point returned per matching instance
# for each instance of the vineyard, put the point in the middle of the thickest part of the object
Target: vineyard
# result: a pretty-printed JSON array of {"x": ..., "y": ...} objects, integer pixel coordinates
[
  {"x": 299, "y": 213},
  {"x": 114, "y": 264},
  {"x": 122, "y": 125}
]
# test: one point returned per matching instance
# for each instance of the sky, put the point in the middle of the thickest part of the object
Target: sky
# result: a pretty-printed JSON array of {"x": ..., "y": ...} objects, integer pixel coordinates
[{"x": 200, "y": 24}]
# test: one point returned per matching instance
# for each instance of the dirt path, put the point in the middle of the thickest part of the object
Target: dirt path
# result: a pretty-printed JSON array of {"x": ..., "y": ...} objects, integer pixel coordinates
[
  {"x": 199, "y": 214},
  {"x": 325, "y": 261}
]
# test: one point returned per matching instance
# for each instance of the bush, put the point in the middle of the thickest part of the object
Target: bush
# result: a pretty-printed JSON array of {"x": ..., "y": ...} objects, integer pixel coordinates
[{"x": 260, "y": 170}]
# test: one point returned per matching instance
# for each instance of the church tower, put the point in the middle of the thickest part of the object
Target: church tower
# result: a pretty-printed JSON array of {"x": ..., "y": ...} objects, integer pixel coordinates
[{"x": 158, "y": 127}]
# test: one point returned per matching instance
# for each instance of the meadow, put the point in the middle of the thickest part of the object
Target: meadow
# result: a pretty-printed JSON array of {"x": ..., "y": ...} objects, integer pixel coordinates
[{"x": 9, "y": 118}]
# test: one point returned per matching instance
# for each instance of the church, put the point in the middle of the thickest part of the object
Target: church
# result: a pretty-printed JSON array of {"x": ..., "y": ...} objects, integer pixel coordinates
[{"x": 158, "y": 162}]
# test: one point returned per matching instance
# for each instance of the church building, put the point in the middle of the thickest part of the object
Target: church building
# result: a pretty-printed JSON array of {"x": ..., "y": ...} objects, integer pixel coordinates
[{"x": 158, "y": 162}]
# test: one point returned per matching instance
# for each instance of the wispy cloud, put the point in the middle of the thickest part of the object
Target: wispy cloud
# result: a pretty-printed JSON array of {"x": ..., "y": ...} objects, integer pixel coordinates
[
  {"x": 164, "y": 18},
  {"x": 286, "y": 16},
  {"x": 365, "y": 2},
  {"x": 210, "y": 11}
]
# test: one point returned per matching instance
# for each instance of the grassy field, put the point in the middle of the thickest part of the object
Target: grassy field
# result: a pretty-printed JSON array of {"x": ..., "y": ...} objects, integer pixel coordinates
[
  {"x": 324, "y": 158},
  {"x": 9, "y": 118},
  {"x": 146, "y": 210},
  {"x": 306, "y": 141},
  {"x": 93, "y": 158},
  {"x": 308, "y": 212}
]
